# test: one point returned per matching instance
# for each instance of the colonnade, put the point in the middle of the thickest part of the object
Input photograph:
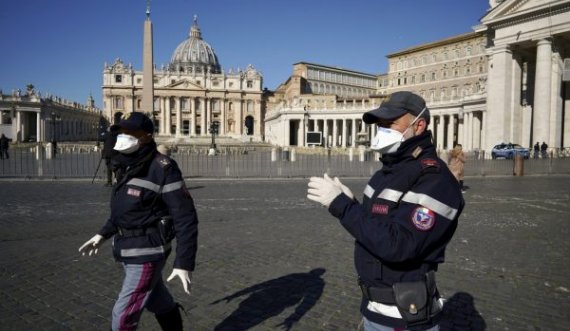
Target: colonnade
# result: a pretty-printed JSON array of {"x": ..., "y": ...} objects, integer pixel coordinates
[
  {"x": 465, "y": 128},
  {"x": 195, "y": 118}
]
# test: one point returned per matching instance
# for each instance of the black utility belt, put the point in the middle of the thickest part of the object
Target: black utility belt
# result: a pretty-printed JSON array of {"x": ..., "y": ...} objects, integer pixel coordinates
[
  {"x": 127, "y": 233},
  {"x": 416, "y": 301},
  {"x": 383, "y": 295}
]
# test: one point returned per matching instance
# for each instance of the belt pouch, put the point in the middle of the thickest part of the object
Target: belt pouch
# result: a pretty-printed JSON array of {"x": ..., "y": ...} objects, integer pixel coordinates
[{"x": 412, "y": 301}]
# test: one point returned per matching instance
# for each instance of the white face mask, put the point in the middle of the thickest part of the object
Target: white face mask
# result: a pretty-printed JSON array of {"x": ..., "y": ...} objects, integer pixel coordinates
[
  {"x": 126, "y": 144},
  {"x": 386, "y": 140},
  {"x": 389, "y": 140}
]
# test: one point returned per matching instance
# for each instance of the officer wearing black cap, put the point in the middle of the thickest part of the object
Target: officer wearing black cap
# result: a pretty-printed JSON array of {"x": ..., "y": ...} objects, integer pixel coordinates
[
  {"x": 408, "y": 214},
  {"x": 150, "y": 205}
]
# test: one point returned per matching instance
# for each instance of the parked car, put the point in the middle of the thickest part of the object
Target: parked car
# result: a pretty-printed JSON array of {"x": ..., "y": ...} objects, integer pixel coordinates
[{"x": 509, "y": 150}]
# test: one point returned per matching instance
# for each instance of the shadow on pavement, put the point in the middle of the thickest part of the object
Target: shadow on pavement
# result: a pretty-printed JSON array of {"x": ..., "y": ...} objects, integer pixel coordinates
[
  {"x": 459, "y": 313},
  {"x": 270, "y": 298}
]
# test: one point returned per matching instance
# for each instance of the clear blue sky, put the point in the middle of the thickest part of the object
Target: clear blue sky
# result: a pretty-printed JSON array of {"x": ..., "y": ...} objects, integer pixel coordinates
[{"x": 60, "y": 46}]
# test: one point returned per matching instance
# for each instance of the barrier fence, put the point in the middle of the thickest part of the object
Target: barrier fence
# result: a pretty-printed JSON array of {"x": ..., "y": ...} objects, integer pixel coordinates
[{"x": 244, "y": 162}]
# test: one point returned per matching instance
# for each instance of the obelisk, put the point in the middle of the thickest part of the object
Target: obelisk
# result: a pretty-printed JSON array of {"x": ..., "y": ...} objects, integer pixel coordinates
[{"x": 148, "y": 66}]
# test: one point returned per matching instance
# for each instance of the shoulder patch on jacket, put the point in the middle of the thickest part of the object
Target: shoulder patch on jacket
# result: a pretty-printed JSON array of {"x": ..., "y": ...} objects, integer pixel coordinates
[{"x": 163, "y": 161}]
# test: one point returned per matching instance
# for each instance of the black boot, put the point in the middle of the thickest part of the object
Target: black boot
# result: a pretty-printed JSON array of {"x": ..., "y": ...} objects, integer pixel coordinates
[{"x": 171, "y": 321}]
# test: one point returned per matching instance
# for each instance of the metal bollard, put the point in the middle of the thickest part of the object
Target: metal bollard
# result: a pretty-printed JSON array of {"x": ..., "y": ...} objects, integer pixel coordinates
[{"x": 518, "y": 169}]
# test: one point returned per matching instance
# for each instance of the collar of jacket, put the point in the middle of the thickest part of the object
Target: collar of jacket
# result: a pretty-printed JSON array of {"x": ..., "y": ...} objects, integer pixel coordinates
[{"x": 407, "y": 149}]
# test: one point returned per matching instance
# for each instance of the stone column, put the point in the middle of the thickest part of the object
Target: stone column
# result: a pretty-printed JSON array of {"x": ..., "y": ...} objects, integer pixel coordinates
[
  {"x": 477, "y": 130},
  {"x": 19, "y": 130},
  {"x": 566, "y": 87},
  {"x": 483, "y": 130},
  {"x": 555, "y": 139},
  {"x": 326, "y": 133},
  {"x": 516, "y": 109},
  {"x": 343, "y": 128},
  {"x": 461, "y": 130},
  {"x": 469, "y": 131},
  {"x": 168, "y": 119},
  {"x": 208, "y": 115},
  {"x": 223, "y": 117},
  {"x": 162, "y": 112},
  {"x": 335, "y": 133},
  {"x": 193, "y": 110},
  {"x": 499, "y": 97},
  {"x": 178, "y": 117},
  {"x": 353, "y": 134},
  {"x": 450, "y": 131},
  {"x": 239, "y": 121},
  {"x": 542, "y": 91},
  {"x": 203, "y": 127},
  {"x": 440, "y": 144},
  {"x": 38, "y": 127}
]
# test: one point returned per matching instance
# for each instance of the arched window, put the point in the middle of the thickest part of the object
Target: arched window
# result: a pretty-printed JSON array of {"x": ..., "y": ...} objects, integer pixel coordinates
[{"x": 249, "y": 121}]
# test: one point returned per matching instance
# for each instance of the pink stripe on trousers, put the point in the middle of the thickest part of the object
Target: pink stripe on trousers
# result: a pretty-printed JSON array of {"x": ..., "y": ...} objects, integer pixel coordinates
[{"x": 137, "y": 298}]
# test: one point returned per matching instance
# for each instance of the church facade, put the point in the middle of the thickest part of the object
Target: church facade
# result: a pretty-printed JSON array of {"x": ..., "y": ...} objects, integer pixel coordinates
[{"x": 190, "y": 94}]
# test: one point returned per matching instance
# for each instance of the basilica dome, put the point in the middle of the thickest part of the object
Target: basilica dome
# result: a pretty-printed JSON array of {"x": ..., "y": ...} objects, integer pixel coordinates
[{"x": 194, "y": 54}]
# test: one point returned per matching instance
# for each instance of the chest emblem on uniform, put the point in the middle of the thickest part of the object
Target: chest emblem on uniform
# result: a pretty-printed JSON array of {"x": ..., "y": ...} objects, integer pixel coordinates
[
  {"x": 134, "y": 192},
  {"x": 426, "y": 163},
  {"x": 423, "y": 218},
  {"x": 379, "y": 209}
]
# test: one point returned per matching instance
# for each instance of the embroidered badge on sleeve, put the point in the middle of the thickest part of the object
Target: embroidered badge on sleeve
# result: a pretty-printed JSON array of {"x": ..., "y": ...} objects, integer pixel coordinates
[{"x": 423, "y": 218}]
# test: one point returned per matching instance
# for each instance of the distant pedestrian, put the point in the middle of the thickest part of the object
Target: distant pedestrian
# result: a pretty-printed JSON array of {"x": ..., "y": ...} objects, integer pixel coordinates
[
  {"x": 456, "y": 164},
  {"x": 4, "y": 145},
  {"x": 543, "y": 150},
  {"x": 536, "y": 150}
]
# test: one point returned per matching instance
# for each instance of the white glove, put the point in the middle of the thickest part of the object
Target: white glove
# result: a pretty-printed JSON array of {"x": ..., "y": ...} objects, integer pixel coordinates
[
  {"x": 185, "y": 277},
  {"x": 323, "y": 190},
  {"x": 92, "y": 245},
  {"x": 343, "y": 187}
]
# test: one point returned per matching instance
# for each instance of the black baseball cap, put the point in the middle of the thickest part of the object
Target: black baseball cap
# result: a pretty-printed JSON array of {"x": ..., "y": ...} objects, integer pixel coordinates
[
  {"x": 398, "y": 104},
  {"x": 136, "y": 121}
]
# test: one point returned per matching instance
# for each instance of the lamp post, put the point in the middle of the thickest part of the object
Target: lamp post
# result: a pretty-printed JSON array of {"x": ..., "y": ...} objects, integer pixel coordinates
[
  {"x": 214, "y": 129},
  {"x": 54, "y": 117}
]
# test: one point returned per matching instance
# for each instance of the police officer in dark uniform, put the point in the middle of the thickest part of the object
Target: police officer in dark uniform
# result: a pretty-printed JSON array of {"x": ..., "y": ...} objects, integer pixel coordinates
[
  {"x": 108, "y": 147},
  {"x": 149, "y": 206},
  {"x": 408, "y": 215}
]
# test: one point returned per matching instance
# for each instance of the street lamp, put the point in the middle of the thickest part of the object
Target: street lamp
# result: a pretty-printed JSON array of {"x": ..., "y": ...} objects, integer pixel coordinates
[
  {"x": 214, "y": 130},
  {"x": 54, "y": 117}
]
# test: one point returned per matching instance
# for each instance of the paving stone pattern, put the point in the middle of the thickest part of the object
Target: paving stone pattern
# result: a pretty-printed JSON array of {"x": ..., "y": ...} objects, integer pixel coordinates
[{"x": 269, "y": 259}]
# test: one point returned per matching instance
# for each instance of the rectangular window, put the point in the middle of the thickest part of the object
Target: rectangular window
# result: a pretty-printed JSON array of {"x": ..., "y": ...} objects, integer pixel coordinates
[
  {"x": 184, "y": 104},
  {"x": 119, "y": 102},
  {"x": 186, "y": 127},
  {"x": 118, "y": 78},
  {"x": 249, "y": 84}
]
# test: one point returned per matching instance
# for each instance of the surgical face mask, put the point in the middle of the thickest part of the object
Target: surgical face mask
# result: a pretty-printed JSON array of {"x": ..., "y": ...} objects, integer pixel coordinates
[
  {"x": 126, "y": 144},
  {"x": 389, "y": 140}
]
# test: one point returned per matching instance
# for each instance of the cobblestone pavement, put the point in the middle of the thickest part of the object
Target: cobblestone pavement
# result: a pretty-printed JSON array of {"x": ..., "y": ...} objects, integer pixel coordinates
[{"x": 270, "y": 259}]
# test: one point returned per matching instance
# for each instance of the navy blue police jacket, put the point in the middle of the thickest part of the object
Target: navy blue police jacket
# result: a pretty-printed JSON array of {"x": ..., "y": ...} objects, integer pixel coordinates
[
  {"x": 139, "y": 200},
  {"x": 407, "y": 217}
]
